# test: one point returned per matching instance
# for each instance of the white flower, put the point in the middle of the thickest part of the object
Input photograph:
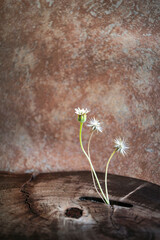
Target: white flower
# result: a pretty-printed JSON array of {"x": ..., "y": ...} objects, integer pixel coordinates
[
  {"x": 95, "y": 125},
  {"x": 120, "y": 145},
  {"x": 81, "y": 111}
]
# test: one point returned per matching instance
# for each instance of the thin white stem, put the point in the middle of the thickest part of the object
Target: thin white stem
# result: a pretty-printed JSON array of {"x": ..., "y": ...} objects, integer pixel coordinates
[
  {"x": 95, "y": 175},
  {"x": 107, "y": 173},
  {"x": 93, "y": 178}
]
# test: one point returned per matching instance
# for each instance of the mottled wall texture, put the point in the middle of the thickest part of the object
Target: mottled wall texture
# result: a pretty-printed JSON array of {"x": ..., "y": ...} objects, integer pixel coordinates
[{"x": 57, "y": 55}]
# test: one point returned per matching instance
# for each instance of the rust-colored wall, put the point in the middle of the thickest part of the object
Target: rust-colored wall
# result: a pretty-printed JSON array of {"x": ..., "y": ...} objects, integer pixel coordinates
[{"x": 58, "y": 55}]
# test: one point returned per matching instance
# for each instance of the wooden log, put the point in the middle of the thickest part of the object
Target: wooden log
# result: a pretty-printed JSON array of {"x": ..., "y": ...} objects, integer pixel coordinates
[{"x": 66, "y": 206}]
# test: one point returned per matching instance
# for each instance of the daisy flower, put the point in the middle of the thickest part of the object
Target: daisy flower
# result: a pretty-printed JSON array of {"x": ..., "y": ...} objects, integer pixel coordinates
[
  {"x": 82, "y": 111},
  {"x": 120, "y": 145},
  {"x": 95, "y": 125}
]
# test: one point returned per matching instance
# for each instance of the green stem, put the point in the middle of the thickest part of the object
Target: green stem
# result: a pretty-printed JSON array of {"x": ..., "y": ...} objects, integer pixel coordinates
[
  {"x": 92, "y": 168},
  {"x": 93, "y": 178},
  {"x": 107, "y": 172}
]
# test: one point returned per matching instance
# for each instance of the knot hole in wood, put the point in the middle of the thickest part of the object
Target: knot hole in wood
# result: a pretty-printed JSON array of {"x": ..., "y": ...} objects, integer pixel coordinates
[{"x": 73, "y": 212}]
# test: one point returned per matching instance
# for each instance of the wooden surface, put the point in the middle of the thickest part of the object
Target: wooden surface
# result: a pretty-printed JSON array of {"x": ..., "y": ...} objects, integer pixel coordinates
[{"x": 66, "y": 206}]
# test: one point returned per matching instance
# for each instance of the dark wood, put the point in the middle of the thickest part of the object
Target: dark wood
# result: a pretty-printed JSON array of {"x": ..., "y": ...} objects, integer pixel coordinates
[{"x": 66, "y": 206}]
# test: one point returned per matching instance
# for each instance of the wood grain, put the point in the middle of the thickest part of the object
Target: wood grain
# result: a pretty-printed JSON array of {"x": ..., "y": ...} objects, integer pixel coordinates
[{"x": 66, "y": 206}]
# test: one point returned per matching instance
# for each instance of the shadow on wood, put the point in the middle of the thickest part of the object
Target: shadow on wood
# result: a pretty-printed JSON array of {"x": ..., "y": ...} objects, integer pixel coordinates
[{"x": 66, "y": 206}]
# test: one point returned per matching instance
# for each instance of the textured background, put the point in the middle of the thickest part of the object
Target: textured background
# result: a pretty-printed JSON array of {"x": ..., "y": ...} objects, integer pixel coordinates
[{"x": 58, "y": 55}]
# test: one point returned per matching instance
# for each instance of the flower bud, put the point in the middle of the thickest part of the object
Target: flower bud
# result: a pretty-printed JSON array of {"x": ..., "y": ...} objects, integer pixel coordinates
[{"x": 82, "y": 118}]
